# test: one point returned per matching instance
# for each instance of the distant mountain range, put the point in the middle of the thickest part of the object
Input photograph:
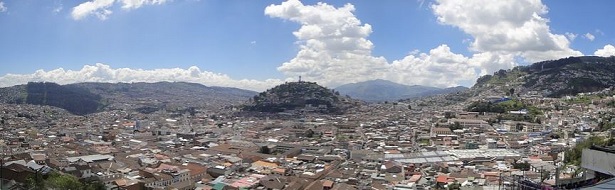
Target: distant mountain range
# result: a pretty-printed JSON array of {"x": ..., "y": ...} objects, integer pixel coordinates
[
  {"x": 86, "y": 98},
  {"x": 384, "y": 90}
]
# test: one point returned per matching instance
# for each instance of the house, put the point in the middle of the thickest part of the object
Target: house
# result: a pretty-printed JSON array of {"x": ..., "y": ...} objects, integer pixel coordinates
[
  {"x": 327, "y": 184},
  {"x": 391, "y": 167},
  {"x": 16, "y": 172},
  {"x": 197, "y": 171},
  {"x": 90, "y": 158},
  {"x": 273, "y": 181},
  {"x": 39, "y": 158},
  {"x": 441, "y": 131},
  {"x": 343, "y": 186}
]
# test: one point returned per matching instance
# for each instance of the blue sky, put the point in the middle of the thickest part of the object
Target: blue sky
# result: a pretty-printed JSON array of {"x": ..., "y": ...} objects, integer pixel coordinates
[{"x": 257, "y": 44}]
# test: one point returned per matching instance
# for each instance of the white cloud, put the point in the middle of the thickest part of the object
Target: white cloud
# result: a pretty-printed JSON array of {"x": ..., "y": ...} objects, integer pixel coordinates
[
  {"x": 590, "y": 36},
  {"x": 104, "y": 73},
  {"x": 133, "y": 4},
  {"x": 334, "y": 50},
  {"x": 606, "y": 51},
  {"x": 507, "y": 26},
  {"x": 2, "y": 7},
  {"x": 440, "y": 67},
  {"x": 100, "y": 8},
  {"x": 571, "y": 36}
]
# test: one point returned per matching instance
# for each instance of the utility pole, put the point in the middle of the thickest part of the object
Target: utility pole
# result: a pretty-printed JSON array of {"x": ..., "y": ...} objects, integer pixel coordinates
[
  {"x": 541, "y": 178},
  {"x": 500, "y": 181},
  {"x": 1, "y": 169}
]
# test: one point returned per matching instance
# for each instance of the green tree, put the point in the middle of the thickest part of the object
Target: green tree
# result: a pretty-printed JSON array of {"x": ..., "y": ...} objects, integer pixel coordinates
[
  {"x": 454, "y": 186},
  {"x": 63, "y": 181},
  {"x": 309, "y": 133},
  {"x": 519, "y": 127},
  {"x": 573, "y": 156},
  {"x": 449, "y": 115},
  {"x": 455, "y": 126},
  {"x": 521, "y": 166}
]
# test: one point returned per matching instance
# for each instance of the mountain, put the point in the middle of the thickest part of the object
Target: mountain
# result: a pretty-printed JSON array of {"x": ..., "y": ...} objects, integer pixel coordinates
[
  {"x": 74, "y": 100},
  {"x": 86, "y": 98},
  {"x": 307, "y": 96},
  {"x": 384, "y": 90},
  {"x": 554, "y": 78}
]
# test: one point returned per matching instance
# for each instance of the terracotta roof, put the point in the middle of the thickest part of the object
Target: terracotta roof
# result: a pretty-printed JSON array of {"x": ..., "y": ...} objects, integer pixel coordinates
[
  {"x": 327, "y": 183},
  {"x": 195, "y": 169},
  {"x": 442, "y": 179},
  {"x": 265, "y": 164},
  {"x": 120, "y": 182}
]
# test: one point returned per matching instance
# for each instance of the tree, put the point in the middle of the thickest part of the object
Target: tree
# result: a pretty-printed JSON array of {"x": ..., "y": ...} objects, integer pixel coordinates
[
  {"x": 512, "y": 91},
  {"x": 545, "y": 175},
  {"x": 519, "y": 127},
  {"x": 525, "y": 166},
  {"x": 454, "y": 186},
  {"x": 409, "y": 107},
  {"x": 57, "y": 180},
  {"x": 573, "y": 156},
  {"x": 455, "y": 126},
  {"x": 577, "y": 171},
  {"x": 449, "y": 115},
  {"x": 309, "y": 133}
]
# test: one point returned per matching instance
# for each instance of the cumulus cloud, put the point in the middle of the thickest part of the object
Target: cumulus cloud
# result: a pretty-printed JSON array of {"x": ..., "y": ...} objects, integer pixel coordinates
[
  {"x": 133, "y": 4},
  {"x": 2, "y": 7},
  {"x": 606, "y": 51},
  {"x": 334, "y": 50},
  {"x": 104, "y": 73},
  {"x": 101, "y": 8},
  {"x": 590, "y": 36},
  {"x": 508, "y": 26}
]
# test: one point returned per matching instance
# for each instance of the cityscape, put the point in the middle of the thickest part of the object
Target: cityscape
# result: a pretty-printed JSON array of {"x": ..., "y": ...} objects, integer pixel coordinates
[{"x": 509, "y": 110}]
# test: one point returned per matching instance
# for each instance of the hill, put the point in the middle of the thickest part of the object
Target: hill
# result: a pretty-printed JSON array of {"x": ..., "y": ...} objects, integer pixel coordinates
[
  {"x": 307, "y": 96},
  {"x": 75, "y": 100},
  {"x": 383, "y": 90},
  {"x": 555, "y": 78},
  {"x": 86, "y": 98}
]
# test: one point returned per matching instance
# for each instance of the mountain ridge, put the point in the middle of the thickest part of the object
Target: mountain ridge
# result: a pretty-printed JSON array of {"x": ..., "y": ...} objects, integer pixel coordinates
[
  {"x": 554, "y": 78},
  {"x": 383, "y": 90},
  {"x": 105, "y": 96}
]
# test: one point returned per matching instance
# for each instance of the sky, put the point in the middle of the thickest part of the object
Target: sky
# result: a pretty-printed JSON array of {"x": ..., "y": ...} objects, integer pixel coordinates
[{"x": 256, "y": 45}]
